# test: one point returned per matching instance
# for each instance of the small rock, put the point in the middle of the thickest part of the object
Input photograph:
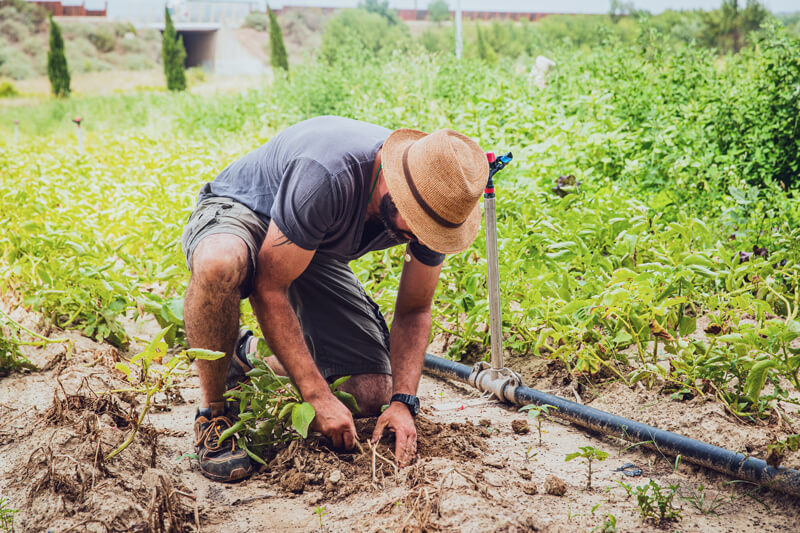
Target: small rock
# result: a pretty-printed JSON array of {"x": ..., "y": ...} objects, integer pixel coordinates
[
  {"x": 530, "y": 488},
  {"x": 295, "y": 483},
  {"x": 485, "y": 422},
  {"x": 524, "y": 474},
  {"x": 494, "y": 462},
  {"x": 335, "y": 477},
  {"x": 520, "y": 426},
  {"x": 555, "y": 486}
]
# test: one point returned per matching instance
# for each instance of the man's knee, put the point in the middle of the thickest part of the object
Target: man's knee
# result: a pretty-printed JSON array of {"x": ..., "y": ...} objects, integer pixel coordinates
[
  {"x": 221, "y": 260},
  {"x": 371, "y": 392}
]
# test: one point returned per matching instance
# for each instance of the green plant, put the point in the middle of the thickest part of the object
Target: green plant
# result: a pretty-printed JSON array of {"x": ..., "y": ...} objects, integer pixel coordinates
[
  {"x": 320, "y": 512},
  {"x": 655, "y": 501},
  {"x": 609, "y": 525},
  {"x": 7, "y": 90},
  {"x": 6, "y": 516},
  {"x": 277, "y": 50},
  {"x": 149, "y": 380},
  {"x": 271, "y": 409},
  {"x": 173, "y": 55},
  {"x": 11, "y": 357},
  {"x": 535, "y": 412},
  {"x": 256, "y": 20},
  {"x": 103, "y": 39},
  {"x": 57, "y": 69},
  {"x": 588, "y": 454},
  {"x": 699, "y": 499}
]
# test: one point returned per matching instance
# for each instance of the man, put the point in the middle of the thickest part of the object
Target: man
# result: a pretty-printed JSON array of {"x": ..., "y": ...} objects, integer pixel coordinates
[{"x": 279, "y": 226}]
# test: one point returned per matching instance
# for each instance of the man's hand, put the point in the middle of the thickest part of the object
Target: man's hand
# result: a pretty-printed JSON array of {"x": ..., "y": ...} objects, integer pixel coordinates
[
  {"x": 398, "y": 418},
  {"x": 334, "y": 420}
]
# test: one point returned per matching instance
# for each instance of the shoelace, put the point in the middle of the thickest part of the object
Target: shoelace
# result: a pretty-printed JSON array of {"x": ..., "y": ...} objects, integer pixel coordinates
[{"x": 210, "y": 436}]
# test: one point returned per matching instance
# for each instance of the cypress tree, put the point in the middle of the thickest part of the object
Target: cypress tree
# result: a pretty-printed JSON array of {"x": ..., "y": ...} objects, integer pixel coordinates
[
  {"x": 57, "y": 69},
  {"x": 277, "y": 51},
  {"x": 173, "y": 54}
]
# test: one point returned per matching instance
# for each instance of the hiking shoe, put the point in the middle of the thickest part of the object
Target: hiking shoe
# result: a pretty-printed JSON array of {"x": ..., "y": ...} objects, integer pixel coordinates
[
  {"x": 223, "y": 461},
  {"x": 240, "y": 364}
]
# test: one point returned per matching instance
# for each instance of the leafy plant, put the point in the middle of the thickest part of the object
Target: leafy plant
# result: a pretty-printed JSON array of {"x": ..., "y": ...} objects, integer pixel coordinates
[
  {"x": 535, "y": 412},
  {"x": 320, "y": 512},
  {"x": 700, "y": 500},
  {"x": 588, "y": 454},
  {"x": 655, "y": 501},
  {"x": 11, "y": 357},
  {"x": 271, "y": 409},
  {"x": 150, "y": 380},
  {"x": 609, "y": 525}
]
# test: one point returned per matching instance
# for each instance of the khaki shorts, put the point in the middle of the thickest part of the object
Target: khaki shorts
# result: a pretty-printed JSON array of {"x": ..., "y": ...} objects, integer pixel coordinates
[{"x": 343, "y": 327}]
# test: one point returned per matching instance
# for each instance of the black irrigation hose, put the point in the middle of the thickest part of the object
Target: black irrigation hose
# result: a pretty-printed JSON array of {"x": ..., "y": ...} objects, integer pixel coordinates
[{"x": 734, "y": 464}]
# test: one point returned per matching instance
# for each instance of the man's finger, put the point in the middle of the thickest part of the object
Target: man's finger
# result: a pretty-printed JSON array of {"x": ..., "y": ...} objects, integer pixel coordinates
[
  {"x": 337, "y": 439},
  {"x": 349, "y": 439}
]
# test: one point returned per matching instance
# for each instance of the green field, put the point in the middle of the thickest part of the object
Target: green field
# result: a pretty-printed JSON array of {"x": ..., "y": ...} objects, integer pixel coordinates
[{"x": 674, "y": 261}]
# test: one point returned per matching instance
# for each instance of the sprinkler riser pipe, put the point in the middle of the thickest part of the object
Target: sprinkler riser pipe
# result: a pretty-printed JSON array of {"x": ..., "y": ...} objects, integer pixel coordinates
[
  {"x": 495, "y": 321},
  {"x": 727, "y": 462}
]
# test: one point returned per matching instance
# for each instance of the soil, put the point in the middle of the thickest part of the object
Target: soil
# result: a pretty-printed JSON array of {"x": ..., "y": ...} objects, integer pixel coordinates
[{"x": 476, "y": 470}]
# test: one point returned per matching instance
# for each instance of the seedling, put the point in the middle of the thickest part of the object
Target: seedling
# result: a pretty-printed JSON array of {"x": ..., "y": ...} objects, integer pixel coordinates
[
  {"x": 609, "y": 525},
  {"x": 320, "y": 512},
  {"x": 655, "y": 501},
  {"x": 271, "y": 408},
  {"x": 149, "y": 381},
  {"x": 588, "y": 454},
  {"x": 699, "y": 500},
  {"x": 6, "y": 516},
  {"x": 535, "y": 412}
]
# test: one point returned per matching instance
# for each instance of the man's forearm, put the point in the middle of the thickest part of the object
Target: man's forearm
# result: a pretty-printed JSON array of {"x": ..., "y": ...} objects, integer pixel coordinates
[
  {"x": 285, "y": 337},
  {"x": 409, "y": 339}
]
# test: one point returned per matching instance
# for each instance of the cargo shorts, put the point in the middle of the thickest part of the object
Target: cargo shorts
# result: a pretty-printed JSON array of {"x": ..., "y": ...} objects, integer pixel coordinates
[{"x": 343, "y": 327}]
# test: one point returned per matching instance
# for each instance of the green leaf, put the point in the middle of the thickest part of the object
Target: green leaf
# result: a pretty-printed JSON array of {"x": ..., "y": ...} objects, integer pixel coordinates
[
  {"x": 302, "y": 416},
  {"x": 205, "y": 355},
  {"x": 124, "y": 368},
  {"x": 348, "y": 399},
  {"x": 572, "y": 456},
  {"x": 338, "y": 383},
  {"x": 286, "y": 409},
  {"x": 235, "y": 428},
  {"x": 756, "y": 379}
]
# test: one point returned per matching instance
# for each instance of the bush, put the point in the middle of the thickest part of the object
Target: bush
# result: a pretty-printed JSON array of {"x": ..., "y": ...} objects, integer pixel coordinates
[
  {"x": 138, "y": 62},
  {"x": 196, "y": 75},
  {"x": 13, "y": 30},
  {"x": 103, "y": 40},
  {"x": 132, "y": 45},
  {"x": 360, "y": 36},
  {"x": 7, "y": 90},
  {"x": 439, "y": 11},
  {"x": 256, "y": 20},
  {"x": 173, "y": 55},
  {"x": 14, "y": 64}
]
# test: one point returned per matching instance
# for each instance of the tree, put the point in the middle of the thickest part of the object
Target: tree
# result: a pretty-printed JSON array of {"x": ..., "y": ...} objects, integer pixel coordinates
[
  {"x": 380, "y": 8},
  {"x": 277, "y": 51},
  {"x": 485, "y": 50},
  {"x": 620, "y": 8},
  {"x": 57, "y": 69},
  {"x": 439, "y": 11},
  {"x": 726, "y": 27},
  {"x": 174, "y": 55}
]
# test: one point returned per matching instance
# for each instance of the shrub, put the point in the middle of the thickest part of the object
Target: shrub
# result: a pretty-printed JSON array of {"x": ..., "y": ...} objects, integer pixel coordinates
[
  {"x": 132, "y": 45},
  {"x": 14, "y": 30},
  {"x": 57, "y": 69},
  {"x": 14, "y": 64},
  {"x": 277, "y": 50},
  {"x": 439, "y": 11},
  {"x": 103, "y": 40},
  {"x": 358, "y": 36},
  {"x": 137, "y": 62},
  {"x": 173, "y": 54},
  {"x": 256, "y": 20},
  {"x": 8, "y": 90}
]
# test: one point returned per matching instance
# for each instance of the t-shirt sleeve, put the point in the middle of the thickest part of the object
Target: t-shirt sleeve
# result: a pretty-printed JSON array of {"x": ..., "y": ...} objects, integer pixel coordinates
[
  {"x": 425, "y": 255},
  {"x": 305, "y": 204}
]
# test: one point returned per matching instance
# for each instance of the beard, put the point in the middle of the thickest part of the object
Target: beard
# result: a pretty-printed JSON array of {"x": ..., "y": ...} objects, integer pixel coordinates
[{"x": 388, "y": 214}]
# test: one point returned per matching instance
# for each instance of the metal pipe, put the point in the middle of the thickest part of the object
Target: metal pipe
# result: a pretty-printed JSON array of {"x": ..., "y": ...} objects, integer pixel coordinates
[
  {"x": 495, "y": 322},
  {"x": 731, "y": 463}
]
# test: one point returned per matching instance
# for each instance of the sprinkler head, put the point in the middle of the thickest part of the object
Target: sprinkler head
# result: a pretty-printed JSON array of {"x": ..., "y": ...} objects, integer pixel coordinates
[
  {"x": 77, "y": 120},
  {"x": 490, "y": 157},
  {"x": 16, "y": 121}
]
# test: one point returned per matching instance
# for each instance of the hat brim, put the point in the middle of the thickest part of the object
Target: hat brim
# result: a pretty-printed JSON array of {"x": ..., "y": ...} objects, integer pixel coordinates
[{"x": 436, "y": 237}]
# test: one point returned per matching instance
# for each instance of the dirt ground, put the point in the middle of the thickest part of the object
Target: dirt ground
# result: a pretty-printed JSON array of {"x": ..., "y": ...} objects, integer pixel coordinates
[{"x": 474, "y": 471}]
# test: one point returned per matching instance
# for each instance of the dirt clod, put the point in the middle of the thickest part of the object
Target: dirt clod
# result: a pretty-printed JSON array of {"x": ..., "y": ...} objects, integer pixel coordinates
[
  {"x": 530, "y": 488},
  {"x": 495, "y": 462},
  {"x": 520, "y": 426},
  {"x": 295, "y": 482},
  {"x": 555, "y": 486},
  {"x": 335, "y": 477},
  {"x": 485, "y": 422}
]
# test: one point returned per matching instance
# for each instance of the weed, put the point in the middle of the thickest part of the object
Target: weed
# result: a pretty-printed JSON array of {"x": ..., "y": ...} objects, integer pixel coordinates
[
  {"x": 6, "y": 516},
  {"x": 536, "y": 411},
  {"x": 320, "y": 512},
  {"x": 655, "y": 501},
  {"x": 609, "y": 525},
  {"x": 699, "y": 500},
  {"x": 588, "y": 454}
]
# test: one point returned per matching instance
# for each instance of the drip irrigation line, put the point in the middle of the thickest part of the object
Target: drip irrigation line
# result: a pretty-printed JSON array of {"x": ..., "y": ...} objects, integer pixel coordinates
[{"x": 734, "y": 464}]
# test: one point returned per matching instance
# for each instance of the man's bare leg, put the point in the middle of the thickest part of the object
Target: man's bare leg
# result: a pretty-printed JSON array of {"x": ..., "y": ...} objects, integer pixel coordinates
[{"x": 211, "y": 307}]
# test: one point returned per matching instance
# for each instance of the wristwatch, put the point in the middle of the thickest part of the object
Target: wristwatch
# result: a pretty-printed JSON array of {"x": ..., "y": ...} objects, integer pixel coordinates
[{"x": 409, "y": 400}]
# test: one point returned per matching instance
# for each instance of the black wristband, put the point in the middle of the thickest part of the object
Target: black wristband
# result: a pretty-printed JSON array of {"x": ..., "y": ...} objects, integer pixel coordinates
[{"x": 409, "y": 400}]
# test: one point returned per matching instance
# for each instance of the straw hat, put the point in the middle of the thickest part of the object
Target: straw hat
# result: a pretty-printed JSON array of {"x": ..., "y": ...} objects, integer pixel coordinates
[{"x": 436, "y": 181}]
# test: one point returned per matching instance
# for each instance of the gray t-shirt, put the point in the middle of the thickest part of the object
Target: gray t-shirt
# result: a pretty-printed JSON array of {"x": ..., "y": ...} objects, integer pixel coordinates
[{"x": 313, "y": 180}]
